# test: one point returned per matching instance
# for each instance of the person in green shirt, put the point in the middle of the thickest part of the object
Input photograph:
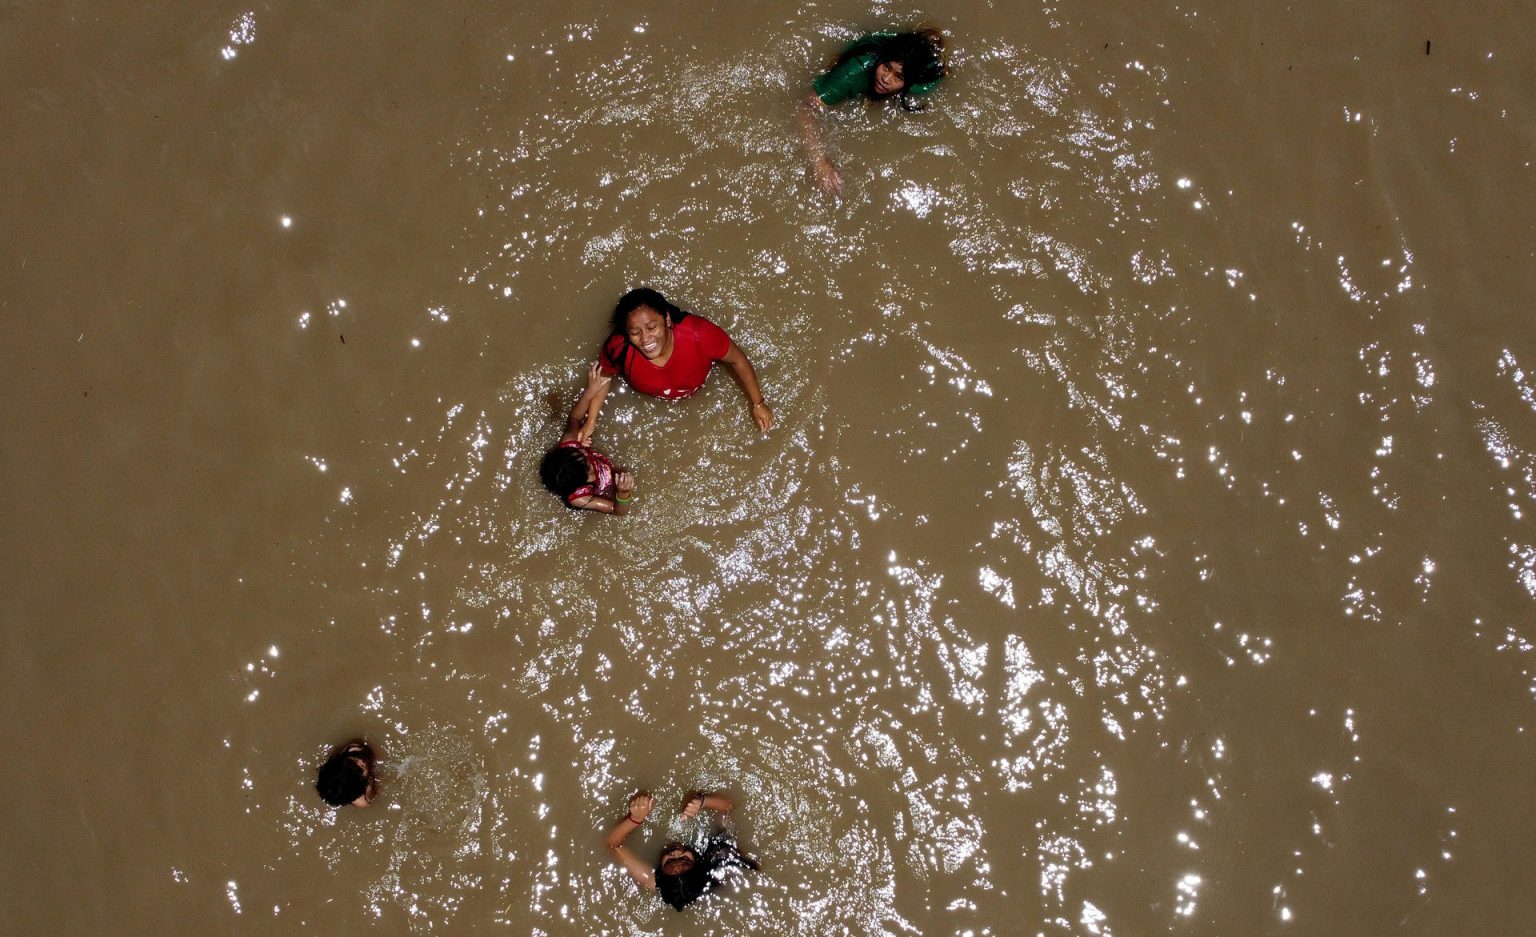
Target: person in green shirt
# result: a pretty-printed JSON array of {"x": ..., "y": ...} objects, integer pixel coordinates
[{"x": 879, "y": 66}]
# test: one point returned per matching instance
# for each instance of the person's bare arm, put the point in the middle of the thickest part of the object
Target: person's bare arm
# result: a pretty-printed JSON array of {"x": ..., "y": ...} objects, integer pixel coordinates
[
  {"x": 737, "y": 361},
  {"x": 594, "y": 407},
  {"x": 827, "y": 176},
  {"x": 695, "y": 801},
  {"x": 639, "y": 808},
  {"x": 583, "y": 419}
]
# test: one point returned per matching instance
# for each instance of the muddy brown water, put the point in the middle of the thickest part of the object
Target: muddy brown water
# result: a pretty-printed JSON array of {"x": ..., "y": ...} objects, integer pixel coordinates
[{"x": 1143, "y": 546}]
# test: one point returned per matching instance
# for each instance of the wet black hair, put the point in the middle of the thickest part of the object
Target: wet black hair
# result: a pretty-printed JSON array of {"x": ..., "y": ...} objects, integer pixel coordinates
[
  {"x": 644, "y": 296},
  {"x": 680, "y": 891},
  {"x": 921, "y": 54},
  {"x": 342, "y": 780},
  {"x": 563, "y": 470}
]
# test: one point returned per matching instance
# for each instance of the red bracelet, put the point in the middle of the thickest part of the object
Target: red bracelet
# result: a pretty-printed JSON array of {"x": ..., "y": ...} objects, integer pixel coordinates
[{"x": 631, "y": 818}]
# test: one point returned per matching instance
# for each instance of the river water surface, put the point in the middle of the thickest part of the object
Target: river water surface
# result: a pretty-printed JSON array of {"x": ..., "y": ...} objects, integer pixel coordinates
[{"x": 1142, "y": 546}]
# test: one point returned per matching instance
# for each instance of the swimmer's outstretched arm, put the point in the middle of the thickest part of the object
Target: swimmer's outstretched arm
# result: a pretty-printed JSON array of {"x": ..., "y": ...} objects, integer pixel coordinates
[
  {"x": 583, "y": 419},
  {"x": 737, "y": 361},
  {"x": 695, "y": 801},
  {"x": 827, "y": 176},
  {"x": 639, "y": 808}
]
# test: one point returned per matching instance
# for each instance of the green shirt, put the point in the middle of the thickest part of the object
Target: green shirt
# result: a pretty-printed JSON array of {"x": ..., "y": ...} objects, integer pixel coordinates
[
  {"x": 853, "y": 77},
  {"x": 848, "y": 80}
]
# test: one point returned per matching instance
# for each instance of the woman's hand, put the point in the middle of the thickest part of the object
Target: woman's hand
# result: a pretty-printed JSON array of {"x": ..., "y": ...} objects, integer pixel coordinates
[
  {"x": 640, "y": 806},
  {"x": 762, "y": 416},
  {"x": 693, "y": 802},
  {"x": 737, "y": 361},
  {"x": 827, "y": 176}
]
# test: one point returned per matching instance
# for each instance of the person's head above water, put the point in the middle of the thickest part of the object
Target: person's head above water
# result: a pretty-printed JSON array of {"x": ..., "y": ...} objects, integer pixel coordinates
[
  {"x": 347, "y": 778},
  {"x": 681, "y": 879},
  {"x": 676, "y": 859},
  {"x": 645, "y": 318},
  {"x": 563, "y": 470},
  {"x": 683, "y": 876},
  {"x": 906, "y": 63}
]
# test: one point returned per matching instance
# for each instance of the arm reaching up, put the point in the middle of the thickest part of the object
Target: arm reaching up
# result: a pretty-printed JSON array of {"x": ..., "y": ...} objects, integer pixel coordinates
[{"x": 639, "y": 808}]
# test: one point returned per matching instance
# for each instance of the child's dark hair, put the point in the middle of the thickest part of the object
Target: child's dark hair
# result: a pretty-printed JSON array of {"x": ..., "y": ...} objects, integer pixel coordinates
[
  {"x": 342, "y": 780},
  {"x": 563, "y": 470}
]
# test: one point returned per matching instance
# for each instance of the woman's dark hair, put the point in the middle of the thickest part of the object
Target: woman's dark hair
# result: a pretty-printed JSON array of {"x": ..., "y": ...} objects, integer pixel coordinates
[
  {"x": 563, "y": 470},
  {"x": 644, "y": 296},
  {"x": 342, "y": 780},
  {"x": 680, "y": 891},
  {"x": 628, "y": 303},
  {"x": 921, "y": 54}
]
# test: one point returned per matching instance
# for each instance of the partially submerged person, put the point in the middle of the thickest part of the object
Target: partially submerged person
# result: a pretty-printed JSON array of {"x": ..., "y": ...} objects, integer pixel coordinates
[
  {"x": 683, "y": 872},
  {"x": 347, "y": 778},
  {"x": 583, "y": 477},
  {"x": 878, "y": 67},
  {"x": 665, "y": 352}
]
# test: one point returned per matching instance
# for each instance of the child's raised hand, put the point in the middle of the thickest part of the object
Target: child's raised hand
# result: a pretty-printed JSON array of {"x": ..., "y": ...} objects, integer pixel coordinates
[
  {"x": 624, "y": 481},
  {"x": 596, "y": 379}
]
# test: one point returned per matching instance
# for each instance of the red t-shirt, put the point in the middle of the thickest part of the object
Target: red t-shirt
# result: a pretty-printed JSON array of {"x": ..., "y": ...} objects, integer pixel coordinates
[{"x": 697, "y": 343}]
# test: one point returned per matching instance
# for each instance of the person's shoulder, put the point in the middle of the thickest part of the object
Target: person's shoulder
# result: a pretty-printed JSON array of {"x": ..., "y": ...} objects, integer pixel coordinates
[
  {"x": 613, "y": 352},
  {"x": 703, "y": 329},
  {"x": 714, "y": 340},
  {"x": 843, "y": 80}
]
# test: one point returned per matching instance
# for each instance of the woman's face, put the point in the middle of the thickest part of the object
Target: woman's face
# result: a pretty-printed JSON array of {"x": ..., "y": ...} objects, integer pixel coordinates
[
  {"x": 888, "y": 78},
  {"x": 676, "y": 859},
  {"x": 649, "y": 331}
]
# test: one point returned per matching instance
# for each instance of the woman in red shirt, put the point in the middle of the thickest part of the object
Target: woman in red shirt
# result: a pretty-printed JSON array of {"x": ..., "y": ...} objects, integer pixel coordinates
[{"x": 666, "y": 352}]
